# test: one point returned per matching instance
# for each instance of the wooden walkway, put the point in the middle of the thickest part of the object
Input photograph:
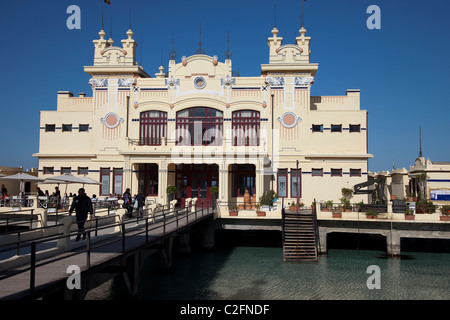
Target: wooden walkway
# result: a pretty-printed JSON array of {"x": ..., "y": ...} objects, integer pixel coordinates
[{"x": 18, "y": 283}]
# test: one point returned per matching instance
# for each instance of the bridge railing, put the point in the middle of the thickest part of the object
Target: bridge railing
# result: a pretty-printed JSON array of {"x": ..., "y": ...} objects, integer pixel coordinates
[{"x": 159, "y": 219}]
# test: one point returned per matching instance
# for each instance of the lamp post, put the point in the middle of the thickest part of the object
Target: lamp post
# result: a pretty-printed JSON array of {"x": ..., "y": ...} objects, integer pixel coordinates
[{"x": 296, "y": 189}]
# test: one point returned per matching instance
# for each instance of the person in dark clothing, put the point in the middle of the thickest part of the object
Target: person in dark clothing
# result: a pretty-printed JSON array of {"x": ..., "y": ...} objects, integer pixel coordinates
[
  {"x": 82, "y": 205},
  {"x": 127, "y": 200},
  {"x": 140, "y": 199}
]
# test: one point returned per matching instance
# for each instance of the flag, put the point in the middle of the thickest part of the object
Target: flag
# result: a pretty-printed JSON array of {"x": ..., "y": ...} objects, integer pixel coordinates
[{"x": 108, "y": 1}]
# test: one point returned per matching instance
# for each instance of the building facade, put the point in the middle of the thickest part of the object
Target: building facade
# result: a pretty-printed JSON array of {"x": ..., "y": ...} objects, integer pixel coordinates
[{"x": 199, "y": 126}]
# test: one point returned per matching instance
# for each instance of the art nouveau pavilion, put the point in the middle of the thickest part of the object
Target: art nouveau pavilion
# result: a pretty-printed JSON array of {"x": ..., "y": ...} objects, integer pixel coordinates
[{"x": 199, "y": 126}]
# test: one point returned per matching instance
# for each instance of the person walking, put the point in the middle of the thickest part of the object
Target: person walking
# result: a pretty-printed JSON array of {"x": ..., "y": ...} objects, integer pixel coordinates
[
  {"x": 82, "y": 205},
  {"x": 140, "y": 199},
  {"x": 127, "y": 201}
]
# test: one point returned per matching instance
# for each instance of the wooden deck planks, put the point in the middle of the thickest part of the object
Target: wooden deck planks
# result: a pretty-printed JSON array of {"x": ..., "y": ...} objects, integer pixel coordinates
[{"x": 55, "y": 271}]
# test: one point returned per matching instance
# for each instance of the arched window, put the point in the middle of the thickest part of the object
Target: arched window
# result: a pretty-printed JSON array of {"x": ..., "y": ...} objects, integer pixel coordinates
[
  {"x": 199, "y": 126},
  {"x": 153, "y": 127},
  {"x": 246, "y": 128}
]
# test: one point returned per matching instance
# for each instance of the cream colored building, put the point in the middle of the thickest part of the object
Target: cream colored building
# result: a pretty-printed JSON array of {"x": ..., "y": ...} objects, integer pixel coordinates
[
  {"x": 197, "y": 126},
  {"x": 431, "y": 178}
]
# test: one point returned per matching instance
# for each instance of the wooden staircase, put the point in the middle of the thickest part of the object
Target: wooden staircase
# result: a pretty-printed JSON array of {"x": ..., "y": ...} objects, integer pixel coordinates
[{"x": 300, "y": 236}]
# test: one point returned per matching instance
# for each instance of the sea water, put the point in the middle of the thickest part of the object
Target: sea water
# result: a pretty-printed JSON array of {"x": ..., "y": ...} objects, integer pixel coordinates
[{"x": 247, "y": 272}]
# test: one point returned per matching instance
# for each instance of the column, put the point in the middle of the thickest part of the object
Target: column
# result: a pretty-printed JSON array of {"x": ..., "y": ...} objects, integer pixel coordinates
[
  {"x": 162, "y": 181},
  {"x": 223, "y": 182}
]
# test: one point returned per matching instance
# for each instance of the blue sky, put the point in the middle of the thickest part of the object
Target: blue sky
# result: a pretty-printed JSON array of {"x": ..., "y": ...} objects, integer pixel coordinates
[{"x": 401, "y": 69}]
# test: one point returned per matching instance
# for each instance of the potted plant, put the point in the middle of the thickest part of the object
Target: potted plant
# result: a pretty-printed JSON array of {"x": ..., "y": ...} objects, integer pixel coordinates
[
  {"x": 266, "y": 200},
  {"x": 292, "y": 206},
  {"x": 327, "y": 206},
  {"x": 347, "y": 193},
  {"x": 445, "y": 210},
  {"x": 259, "y": 212},
  {"x": 171, "y": 192},
  {"x": 410, "y": 197},
  {"x": 16, "y": 207},
  {"x": 345, "y": 204},
  {"x": 409, "y": 214},
  {"x": 425, "y": 206},
  {"x": 358, "y": 205},
  {"x": 233, "y": 211},
  {"x": 370, "y": 214},
  {"x": 336, "y": 213}
]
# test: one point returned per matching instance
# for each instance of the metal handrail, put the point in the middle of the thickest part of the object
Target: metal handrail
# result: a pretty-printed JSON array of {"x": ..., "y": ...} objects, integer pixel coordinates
[
  {"x": 89, "y": 247},
  {"x": 316, "y": 228}
]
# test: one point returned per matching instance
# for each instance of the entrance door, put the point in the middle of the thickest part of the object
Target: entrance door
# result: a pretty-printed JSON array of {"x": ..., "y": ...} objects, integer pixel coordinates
[{"x": 195, "y": 181}]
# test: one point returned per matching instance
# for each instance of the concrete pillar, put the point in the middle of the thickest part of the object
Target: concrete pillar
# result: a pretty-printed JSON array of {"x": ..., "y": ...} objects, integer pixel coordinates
[
  {"x": 223, "y": 183},
  {"x": 323, "y": 240},
  {"x": 185, "y": 245},
  {"x": 393, "y": 243},
  {"x": 208, "y": 237},
  {"x": 67, "y": 223},
  {"x": 165, "y": 253}
]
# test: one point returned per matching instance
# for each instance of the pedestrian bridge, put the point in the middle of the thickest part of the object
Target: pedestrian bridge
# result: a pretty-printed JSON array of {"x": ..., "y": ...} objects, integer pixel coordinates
[{"x": 37, "y": 262}]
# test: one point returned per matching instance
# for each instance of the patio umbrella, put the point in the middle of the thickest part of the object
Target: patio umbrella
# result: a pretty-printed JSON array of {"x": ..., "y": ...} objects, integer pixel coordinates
[
  {"x": 22, "y": 177},
  {"x": 89, "y": 181},
  {"x": 65, "y": 178}
]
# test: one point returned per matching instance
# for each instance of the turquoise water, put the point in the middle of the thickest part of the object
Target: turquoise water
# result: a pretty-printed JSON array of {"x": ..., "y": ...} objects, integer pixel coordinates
[
  {"x": 258, "y": 273},
  {"x": 242, "y": 271}
]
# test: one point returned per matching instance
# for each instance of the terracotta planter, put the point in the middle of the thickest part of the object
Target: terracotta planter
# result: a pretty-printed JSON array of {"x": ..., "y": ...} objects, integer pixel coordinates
[
  {"x": 292, "y": 208},
  {"x": 409, "y": 217},
  {"x": 444, "y": 218},
  {"x": 393, "y": 197},
  {"x": 233, "y": 213},
  {"x": 324, "y": 209},
  {"x": 337, "y": 215},
  {"x": 348, "y": 210},
  {"x": 260, "y": 213},
  {"x": 371, "y": 217}
]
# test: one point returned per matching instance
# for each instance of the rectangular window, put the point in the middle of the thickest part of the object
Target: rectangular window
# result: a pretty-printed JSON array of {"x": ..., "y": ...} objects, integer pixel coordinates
[
  {"x": 336, "y": 128},
  {"x": 83, "y": 128},
  {"x": 50, "y": 128},
  {"x": 355, "y": 172},
  {"x": 104, "y": 180},
  {"x": 153, "y": 127},
  {"x": 296, "y": 190},
  {"x": 118, "y": 180},
  {"x": 317, "y": 128},
  {"x": 83, "y": 170},
  {"x": 317, "y": 172},
  {"x": 66, "y": 127},
  {"x": 282, "y": 183},
  {"x": 355, "y": 128},
  {"x": 66, "y": 170},
  {"x": 336, "y": 172},
  {"x": 48, "y": 170}
]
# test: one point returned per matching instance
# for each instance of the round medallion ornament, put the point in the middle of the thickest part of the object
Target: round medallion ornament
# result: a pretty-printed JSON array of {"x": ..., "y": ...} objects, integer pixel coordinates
[
  {"x": 111, "y": 120},
  {"x": 289, "y": 120},
  {"x": 199, "y": 82}
]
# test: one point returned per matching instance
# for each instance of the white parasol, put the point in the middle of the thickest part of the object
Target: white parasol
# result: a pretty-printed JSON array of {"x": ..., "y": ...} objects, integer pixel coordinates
[{"x": 22, "y": 177}]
